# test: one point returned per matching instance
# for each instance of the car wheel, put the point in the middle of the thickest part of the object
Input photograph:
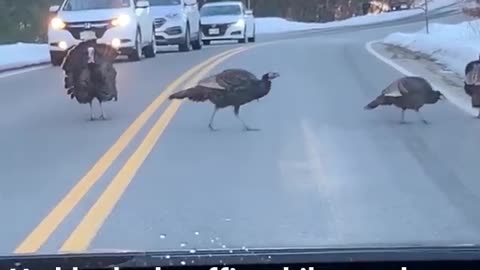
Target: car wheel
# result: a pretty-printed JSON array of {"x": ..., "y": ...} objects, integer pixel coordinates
[
  {"x": 245, "y": 37},
  {"x": 136, "y": 53},
  {"x": 252, "y": 39},
  {"x": 56, "y": 58},
  {"x": 206, "y": 42},
  {"x": 151, "y": 50},
  {"x": 197, "y": 44},
  {"x": 186, "y": 46}
]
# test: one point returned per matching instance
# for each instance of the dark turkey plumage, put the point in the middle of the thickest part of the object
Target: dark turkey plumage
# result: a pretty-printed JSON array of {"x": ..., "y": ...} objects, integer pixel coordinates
[
  {"x": 90, "y": 74},
  {"x": 407, "y": 93},
  {"x": 232, "y": 87},
  {"x": 472, "y": 82}
]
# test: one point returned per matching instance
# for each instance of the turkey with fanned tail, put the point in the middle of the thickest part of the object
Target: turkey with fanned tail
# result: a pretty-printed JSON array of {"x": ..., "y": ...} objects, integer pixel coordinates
[
  {"x": 472, "y": 83},
  {"x": 232, "y": 87},
  {"x": 90, "y": 74},
  {"x": 407, "y": 93}
]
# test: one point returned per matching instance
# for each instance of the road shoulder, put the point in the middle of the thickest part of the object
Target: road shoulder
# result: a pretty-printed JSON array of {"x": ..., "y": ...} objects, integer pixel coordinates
[{"x": 411, "y": 63}]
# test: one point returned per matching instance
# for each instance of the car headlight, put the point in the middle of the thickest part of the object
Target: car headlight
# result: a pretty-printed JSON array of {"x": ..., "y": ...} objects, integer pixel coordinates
[
  {"x": 57, "y": 23},
  {"x": 122, "y": 20},
  {"x": 240, "y": 23},
  {"x": 173, "y": 15}
]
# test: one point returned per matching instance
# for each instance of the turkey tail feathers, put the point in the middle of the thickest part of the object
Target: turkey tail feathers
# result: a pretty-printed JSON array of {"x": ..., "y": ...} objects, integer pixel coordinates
[
  {"x": 179, "y": 95},
  {"x": 197, "y": 94},
  {"x": 372, "y": 105},
  {"x": 381, "y": 100}
]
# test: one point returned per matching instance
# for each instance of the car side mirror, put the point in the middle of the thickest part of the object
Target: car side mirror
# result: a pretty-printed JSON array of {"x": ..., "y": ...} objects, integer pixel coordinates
[
  {"x": 143, "y": 4},
  {"x": 54, "y": 9},
  {"x": 249, "y": 12}
]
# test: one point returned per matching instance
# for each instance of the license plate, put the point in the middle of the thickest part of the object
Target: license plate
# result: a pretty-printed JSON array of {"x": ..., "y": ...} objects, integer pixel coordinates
[
  {"x": 214, "y": 31},
  {"x": 404, "y": 6},
  {"x": 87, "y": 35}
]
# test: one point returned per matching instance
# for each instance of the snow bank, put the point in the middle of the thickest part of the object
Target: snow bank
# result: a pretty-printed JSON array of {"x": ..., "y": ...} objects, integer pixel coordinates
[
  {"x": 451, "y": 45},
  {"x": 279, "y": 25},
  {"x": 23, "y": 54}
]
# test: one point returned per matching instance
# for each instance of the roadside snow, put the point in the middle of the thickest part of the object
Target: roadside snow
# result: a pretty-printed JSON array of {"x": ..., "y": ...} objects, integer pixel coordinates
[
  {"x": 23, "y": 54},
  {"x": 451, "y": 45},
  {"x": 279, "y": 25}
]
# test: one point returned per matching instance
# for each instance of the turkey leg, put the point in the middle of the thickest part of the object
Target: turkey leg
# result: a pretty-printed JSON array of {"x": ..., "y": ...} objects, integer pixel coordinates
[
  {"x": 402, "y": 118},
  {"x": 245, "y": 127},
  {"x": 102, "y": 115},
  {"x": 210, "y": 124},
  {"x": 92, "y": 115},
  {"x": 420, "y": 115}
]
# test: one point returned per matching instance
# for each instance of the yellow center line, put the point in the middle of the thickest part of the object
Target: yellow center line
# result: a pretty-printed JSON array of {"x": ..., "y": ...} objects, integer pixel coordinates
[
  {"x": 49, "y": 224},
  {"x": 84, "y": 233}
]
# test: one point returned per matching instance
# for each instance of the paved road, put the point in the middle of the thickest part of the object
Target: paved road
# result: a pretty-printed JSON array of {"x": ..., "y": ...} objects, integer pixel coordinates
[{"x": 321, "y": 172}]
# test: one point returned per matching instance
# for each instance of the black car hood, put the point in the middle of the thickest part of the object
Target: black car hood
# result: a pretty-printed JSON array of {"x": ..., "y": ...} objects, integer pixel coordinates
[{"x": 132, "y": 259}]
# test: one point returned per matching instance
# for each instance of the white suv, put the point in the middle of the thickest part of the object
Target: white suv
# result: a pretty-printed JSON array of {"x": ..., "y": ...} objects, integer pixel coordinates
[
  {"x": 177, "y": 22},
  {"x": 125, "y": 24}
]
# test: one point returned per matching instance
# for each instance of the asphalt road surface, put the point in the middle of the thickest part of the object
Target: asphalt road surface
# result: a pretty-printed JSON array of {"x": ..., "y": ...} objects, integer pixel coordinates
[{"x": 321, "y": 172}]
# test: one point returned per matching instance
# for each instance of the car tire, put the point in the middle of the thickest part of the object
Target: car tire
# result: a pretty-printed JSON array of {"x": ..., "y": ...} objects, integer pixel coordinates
[
  {"x": 151, "y": 50},
  {"x": 206, "y": 42},
  {"x": 197, "y": 44},
  {"x": 56, "y": 58},
  {"x": 186, "y": 46},
  {"x": 252, "y": 39},
  {"x": 245, "y": 37},
  {"x": 136, "y": 53}
]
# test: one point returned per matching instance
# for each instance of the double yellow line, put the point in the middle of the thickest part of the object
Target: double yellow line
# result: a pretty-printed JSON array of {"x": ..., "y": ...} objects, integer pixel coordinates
[{"x": 83, "y": 234}]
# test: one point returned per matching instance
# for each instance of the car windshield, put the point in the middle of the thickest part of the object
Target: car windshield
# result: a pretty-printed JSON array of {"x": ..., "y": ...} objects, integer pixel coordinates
[
  {"x": 77, "y": 5},
  {"x": 192, "y": 128},
  {"x": 215, "y": 10},
  {"x": 165, "y": 2}
]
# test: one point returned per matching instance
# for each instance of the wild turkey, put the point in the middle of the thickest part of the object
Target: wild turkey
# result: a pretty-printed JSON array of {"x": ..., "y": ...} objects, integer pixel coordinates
[
  {"x": 232, "y": 87},
  {"x": 472, "y": 82},
  {"x": 89, "y": 74},
  {"x": 407, "y": 93}
]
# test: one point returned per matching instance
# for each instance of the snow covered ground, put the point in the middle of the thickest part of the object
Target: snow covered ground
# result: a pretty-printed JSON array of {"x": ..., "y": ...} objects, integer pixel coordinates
[
  {"x": 278, "y": 25},
  {"x": 452, "y": 45},
  {"x": 21, "y": 54}
]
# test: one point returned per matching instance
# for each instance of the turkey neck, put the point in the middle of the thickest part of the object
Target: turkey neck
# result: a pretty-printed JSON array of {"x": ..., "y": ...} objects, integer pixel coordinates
[
  {"x": 432, "y": 98},
  {"x": 265, "y": 86}
]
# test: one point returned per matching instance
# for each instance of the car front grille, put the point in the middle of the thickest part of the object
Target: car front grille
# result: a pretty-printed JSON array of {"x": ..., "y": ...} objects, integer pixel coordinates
[
  {"x": 159, "y": 22},
  {"x": 176, "y": 30},
  {"x": 99, "y": 27},
  {"x": 223, "y": 28}
]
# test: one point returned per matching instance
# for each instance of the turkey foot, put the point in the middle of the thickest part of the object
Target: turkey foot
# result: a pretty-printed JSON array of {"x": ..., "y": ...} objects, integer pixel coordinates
[
  {"x": 422, "y": 118},
  {"x": 212, "y": 128},
  {"x": 246, "y": 128}
]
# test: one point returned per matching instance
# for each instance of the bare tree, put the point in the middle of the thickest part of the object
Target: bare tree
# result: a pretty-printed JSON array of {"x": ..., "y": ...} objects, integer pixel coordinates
[{"x": 471, "y": 8}]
